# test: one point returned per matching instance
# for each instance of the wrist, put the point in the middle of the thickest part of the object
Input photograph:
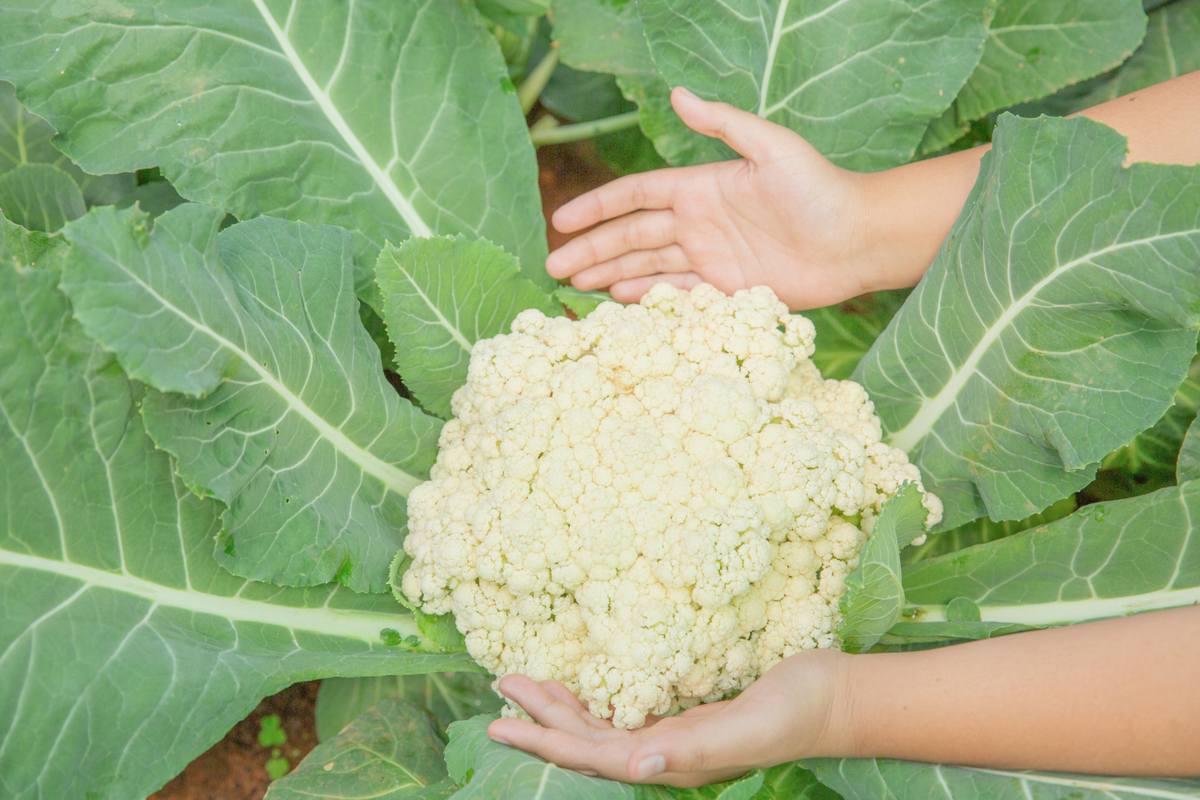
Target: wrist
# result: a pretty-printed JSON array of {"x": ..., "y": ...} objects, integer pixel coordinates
[
  {"x": 838, "y": 737},
  {"x": 909, "y": 211}
]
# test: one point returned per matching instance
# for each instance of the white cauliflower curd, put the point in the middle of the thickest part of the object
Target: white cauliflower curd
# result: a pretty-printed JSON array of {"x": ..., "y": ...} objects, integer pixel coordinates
[{"x": 654, "y": 504}]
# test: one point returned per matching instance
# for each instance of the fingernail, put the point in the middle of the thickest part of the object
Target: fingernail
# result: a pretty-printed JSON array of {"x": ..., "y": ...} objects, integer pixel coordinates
[
  {"x": 683, "y": 90},
  {"x": 650, "y": 766},
  {"x": 495, "y": 737}
]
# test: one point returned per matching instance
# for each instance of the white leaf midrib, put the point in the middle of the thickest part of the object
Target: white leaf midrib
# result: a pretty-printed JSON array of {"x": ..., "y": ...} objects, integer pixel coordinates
[
  {"x": 408, "y": 212},
  {"x": 321, "y": 620},
  {"x": 932, "y": 408},
  {"x": 1069, "y": 611},
  {"x": 1094, "y": 783}
]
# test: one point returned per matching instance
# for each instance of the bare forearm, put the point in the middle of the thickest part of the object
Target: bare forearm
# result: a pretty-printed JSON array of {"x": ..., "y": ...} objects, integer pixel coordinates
[
  {"x": 914, "y": 206},
  {"x": 1117, "y": 696}
]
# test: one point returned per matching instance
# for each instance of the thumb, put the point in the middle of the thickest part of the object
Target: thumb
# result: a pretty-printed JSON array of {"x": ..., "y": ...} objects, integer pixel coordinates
[{"x": 751, "y": 136}]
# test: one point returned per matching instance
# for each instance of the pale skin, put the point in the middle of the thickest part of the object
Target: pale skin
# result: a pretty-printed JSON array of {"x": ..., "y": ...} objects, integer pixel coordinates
[{"x": 1115, "y": 696}]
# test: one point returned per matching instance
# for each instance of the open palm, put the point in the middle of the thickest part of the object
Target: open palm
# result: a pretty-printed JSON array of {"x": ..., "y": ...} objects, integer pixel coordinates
[
  {"x": 781, "y": 216},
  {"x": 783, "y": 716}
]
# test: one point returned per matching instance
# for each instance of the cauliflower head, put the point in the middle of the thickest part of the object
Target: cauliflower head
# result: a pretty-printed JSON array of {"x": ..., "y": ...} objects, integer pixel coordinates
[{"x": 654, "y": 504}]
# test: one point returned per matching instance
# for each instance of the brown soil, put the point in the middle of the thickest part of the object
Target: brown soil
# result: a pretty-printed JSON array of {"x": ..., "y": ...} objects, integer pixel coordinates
[
  {"x": 565, "y": 172},
  {"x": 235, "y": 767}
]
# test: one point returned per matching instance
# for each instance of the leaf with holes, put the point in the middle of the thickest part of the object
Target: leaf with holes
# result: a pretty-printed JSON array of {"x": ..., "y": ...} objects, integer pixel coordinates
[
  {"x": 269, "y": 389},
  {"x": 1057, "y": 321},
  {"x": 379, "y": 116},
  {"x": 441, "y": 295},
  {"x": 860, "y": 81},
  {"x": 127, "y": 651}
]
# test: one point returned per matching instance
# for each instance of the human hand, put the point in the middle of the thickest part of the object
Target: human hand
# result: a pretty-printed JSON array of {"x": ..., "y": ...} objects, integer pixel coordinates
[
  {"x": 782, "y": 215},
  {"x": 795, "y": 710}
]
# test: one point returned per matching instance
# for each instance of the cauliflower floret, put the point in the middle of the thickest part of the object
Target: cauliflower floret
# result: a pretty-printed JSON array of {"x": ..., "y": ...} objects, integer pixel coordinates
[{"x": 654, "y": 504}]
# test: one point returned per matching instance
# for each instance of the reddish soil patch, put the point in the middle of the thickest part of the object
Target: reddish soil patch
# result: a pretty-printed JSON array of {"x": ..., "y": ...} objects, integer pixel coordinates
[
  {"x": 565, "y": 172},
  {"x": 235, "y": 767}
]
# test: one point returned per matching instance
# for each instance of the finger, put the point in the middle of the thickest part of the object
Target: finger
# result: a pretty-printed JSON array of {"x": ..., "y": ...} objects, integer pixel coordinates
[
  {"x": 562, "y": 748},
  {"x": 750, "y": 135},
  {"x": 631, "y": 291},
  {"x": 645, "y": 190},
  {"x": 544, "y": 707},
  {"x": 641, "y": 230},
  {"x": 638, "y": 264},
  {"x": 563, "y": 694},
  {"x": 708, "y": 743}
]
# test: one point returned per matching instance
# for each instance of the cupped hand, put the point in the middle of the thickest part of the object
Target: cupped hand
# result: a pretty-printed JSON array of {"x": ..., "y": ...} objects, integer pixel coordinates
[
  {"x": 782, "y": 216},
  {"x": 793, "y": 711}
]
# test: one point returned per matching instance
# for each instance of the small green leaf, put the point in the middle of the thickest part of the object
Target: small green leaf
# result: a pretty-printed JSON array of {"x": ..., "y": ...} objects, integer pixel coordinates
[
  {"x": 440, "y": 295},
  {"x": 874, "y": 597},
  {"x": 270, "y": 731},
  {"x": 580, "y": 303},
  {"x": 277, "y": 767}
]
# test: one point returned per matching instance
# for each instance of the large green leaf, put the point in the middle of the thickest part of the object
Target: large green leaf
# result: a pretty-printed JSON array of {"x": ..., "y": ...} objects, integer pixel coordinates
[
  {"x": 1056, "y": 322},
  {"x": 26, "y": 139},
  {"x": 846, "y": 331},
  {"x": 40, "y": 197},
  {"x": 441, "y": 295},
  {"x": 1105, "y": 560},
  {"x": 874, "y": 597},
  {"x": 1035, "y": 48},
  {"x": 390, "y": 752},
  {"x": 870, "y": 779},
  {"x": 448, "y": 696},
  {"x": 384, "y": 117},
  {"x": 125, "y": 650},
  {"x": 859, "y": 80},
  {"x": 488, "y": 770},
  {"x": 272, "y": 398},
  {"x": 1171, "y": 48}
]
